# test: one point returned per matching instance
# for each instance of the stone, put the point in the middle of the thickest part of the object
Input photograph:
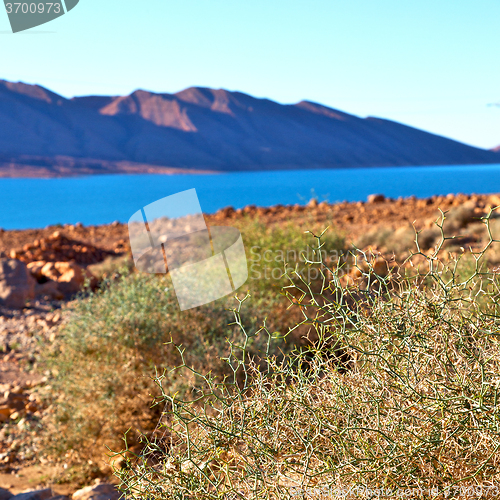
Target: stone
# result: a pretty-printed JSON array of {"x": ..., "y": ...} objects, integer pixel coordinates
[
  {"x": 5, "y": 494},
  {"x": 495, "y": 200},
  {"x": 103, "y": 491},
  {"x": 56, "y": 235},
  {"x": 72, "y": 279},
  {"x": 5, "y": 413},
  {"x": 69, "y": 276},
  {"x": 250, "y": 209},
  {"x": 376, "y": 198},
  {"x": 381, "y": 267},
  {"x": 35, "y": 269},
  {"x": 44, "y": 494},
  {"x": 313, "y": 203},
  {"x": 227, "y": 211},
  {"x": 16, "y": 284},
  {"x": 50, "y": 272}
]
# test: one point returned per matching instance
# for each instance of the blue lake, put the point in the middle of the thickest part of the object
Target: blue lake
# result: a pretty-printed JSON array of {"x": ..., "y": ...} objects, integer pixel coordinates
[{"x": 31, "y": 203}]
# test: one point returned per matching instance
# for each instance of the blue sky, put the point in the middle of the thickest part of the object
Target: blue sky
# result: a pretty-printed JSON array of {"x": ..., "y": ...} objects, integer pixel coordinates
[{"x": 432, "y": 64}]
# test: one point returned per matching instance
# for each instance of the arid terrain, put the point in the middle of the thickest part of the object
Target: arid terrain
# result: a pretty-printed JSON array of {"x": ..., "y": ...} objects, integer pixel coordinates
[{"x": 96, "y": 250}]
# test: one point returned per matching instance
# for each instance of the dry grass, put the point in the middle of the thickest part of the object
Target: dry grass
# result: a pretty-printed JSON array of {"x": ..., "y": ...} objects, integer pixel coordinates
[
  {"x": 104, "y": 358},
  {"x": 400, "y": 391}
]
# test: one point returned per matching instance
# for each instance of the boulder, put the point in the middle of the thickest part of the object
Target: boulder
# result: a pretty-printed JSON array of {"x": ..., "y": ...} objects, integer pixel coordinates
[
  {"x": 49, "y": 271},
  {"x": 227, "y": 211},
  {"x": 376, "y": 198},
  {"x": 34, "y": 495},
  {"x": 35, "y": 269},
  {"x": 16, "y": 284},
  {"x": 69, "y": 276},
  {"x": 495, "y": 200},
  {"x": 5, "y": 413},
  {"x": 103, "y": 491}
]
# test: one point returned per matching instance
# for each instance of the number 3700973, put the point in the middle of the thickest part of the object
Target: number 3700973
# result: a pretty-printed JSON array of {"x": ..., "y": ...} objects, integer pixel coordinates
[{"x": 33, "y": 8}]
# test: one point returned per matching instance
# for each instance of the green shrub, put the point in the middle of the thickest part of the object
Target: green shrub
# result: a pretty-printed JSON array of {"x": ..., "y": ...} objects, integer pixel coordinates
[
  {"x": 112, "y": 341},
  {"x": 400, "y": 391}
]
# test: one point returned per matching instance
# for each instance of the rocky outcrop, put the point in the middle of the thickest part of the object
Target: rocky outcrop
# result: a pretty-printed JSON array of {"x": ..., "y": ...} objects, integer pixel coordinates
[
  {"x": 69, "y": 276},
  {"x": 17, "y": 286},
  {"x": 59, "y": 248},
  {"x": 60, "y": 279},
  {"x": 20, "y": 283}
]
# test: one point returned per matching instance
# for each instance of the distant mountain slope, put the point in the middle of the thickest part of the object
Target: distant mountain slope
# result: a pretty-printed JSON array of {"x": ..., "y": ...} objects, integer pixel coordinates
[{"x": 201, "y": 129}]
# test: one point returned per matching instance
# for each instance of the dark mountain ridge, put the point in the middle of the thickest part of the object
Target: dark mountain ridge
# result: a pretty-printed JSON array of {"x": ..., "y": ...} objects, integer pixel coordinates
[{"x": 202, "y": 129}]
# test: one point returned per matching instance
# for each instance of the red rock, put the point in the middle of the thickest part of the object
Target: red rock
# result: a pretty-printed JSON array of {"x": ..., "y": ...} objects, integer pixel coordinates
[
  {"x": 35, "y": 269},
  {"x": 69, "y": 276},
  {"x": 376, "y": 198},
  {"x": 227, "y": 212}
]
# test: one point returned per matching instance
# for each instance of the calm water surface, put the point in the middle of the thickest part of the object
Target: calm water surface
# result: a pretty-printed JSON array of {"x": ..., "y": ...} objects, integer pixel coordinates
[{"x": 30, "y": 203}]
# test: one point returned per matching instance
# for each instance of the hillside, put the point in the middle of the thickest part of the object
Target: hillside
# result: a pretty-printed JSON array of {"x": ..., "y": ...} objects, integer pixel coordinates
[{"x": 201, "y": 129}]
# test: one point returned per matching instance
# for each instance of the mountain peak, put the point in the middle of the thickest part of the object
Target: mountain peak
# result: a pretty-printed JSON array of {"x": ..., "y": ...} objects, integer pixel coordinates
[
  {"x": 33, "y": 91},
  {"x": 205, "y": 129}
]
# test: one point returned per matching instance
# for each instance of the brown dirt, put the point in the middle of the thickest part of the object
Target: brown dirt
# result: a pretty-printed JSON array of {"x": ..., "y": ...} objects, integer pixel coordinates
[{"x": 32, "y": 477}]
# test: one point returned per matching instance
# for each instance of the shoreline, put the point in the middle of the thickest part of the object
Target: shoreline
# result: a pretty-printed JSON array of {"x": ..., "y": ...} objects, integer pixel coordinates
[
  {"x": 68, "y": 170},
  {"x": 351, "y": 218}
]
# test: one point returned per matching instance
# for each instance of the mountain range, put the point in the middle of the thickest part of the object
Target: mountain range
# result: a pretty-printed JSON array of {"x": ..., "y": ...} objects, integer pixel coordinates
[{"x": 202, "y": 130}]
